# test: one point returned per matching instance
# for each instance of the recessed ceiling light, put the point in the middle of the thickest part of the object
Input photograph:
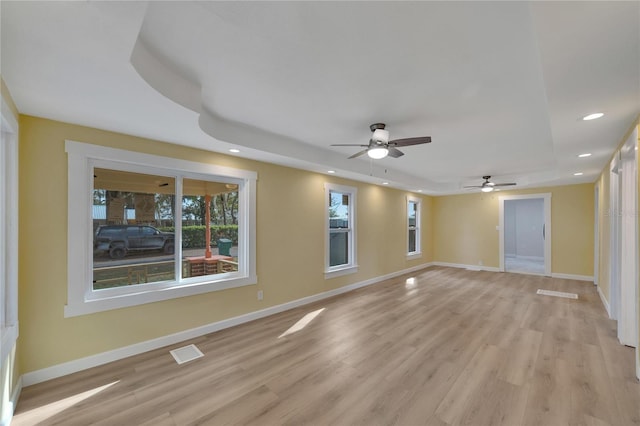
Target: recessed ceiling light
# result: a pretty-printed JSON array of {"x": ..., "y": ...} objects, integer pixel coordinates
[
  {"x": 235, "y": 151},
  {"x": 592, "y": 116},
  {"x": 385, "y": 183},
  {"x": 586, "y": 154},
  {"x": 578, "y": 174},
  {"x": 419, "y": 190},
  {"x": 331, "y": 171}
]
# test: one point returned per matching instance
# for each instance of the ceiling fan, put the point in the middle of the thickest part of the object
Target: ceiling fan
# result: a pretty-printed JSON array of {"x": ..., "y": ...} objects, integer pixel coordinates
[
  {"x": 380, "y": 146},
  {"x": 488, "y": 186}
]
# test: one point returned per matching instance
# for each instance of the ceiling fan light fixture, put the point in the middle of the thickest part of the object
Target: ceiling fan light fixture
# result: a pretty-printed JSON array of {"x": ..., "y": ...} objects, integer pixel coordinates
[
  {"x": 486, "y": 188},
  {"x": 377, "y": 152}
]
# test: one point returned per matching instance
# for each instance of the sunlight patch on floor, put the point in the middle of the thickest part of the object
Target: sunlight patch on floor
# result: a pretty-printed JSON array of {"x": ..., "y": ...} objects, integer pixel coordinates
[
  {"x": 41, "y": 413},
  {"x": 302, "y": 323}
]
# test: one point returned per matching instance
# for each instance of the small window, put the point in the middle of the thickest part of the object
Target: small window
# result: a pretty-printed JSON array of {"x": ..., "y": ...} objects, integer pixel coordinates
[
  {"x": 413, "y": 227},
  {"x": 340, "y": 253}
]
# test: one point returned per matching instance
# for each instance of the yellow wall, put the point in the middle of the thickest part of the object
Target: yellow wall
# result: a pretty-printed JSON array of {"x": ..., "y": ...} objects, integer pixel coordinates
[
  {"x": 9, "y": 367},
  {"x": 290, "y": 252},
  {"x": 465, "y": 228}
]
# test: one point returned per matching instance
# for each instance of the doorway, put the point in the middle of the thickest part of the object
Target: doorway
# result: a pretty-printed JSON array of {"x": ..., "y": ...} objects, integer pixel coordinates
[{"x": 525, "y": 234}]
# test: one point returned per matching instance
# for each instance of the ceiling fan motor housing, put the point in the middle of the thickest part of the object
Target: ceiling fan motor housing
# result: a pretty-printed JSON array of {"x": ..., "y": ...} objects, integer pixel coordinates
[{"x": 380, "y": 136}]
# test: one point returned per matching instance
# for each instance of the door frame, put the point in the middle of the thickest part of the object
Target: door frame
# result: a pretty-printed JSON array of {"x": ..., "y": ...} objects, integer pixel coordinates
[
  {"x": 547, "y": 226},
  {"x": 614, "y": 237},
  {"x": 596, "y": 234},
  {"x": 628, "y": 321}
]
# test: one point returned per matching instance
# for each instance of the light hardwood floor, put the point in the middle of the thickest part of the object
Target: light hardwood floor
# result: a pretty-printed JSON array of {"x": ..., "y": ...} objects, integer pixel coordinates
[{"x": 449, "y": 347}]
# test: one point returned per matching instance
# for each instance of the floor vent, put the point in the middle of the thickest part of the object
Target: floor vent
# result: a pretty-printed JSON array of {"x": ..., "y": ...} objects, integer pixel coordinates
[
  {"x": 186, "y": 354},
  {"x": 558, "y": 294}
]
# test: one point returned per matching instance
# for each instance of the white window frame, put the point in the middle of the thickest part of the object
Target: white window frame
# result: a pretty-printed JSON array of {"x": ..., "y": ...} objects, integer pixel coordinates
[
  {"x": 82, "y": 158},
  {"x": 351, "y": 266},
  {"x": 8, "y": 231},
  {"x": 418, "y": 251}
]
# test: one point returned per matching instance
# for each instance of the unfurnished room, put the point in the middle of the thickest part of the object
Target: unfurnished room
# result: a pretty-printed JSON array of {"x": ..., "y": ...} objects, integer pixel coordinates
[{"x": 319, "y": 212}]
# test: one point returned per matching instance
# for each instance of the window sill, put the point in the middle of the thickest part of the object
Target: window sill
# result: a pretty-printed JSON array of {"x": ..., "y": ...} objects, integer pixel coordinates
[
  {"x": 345, "y": 270},
  {"x": 90, "y": 306},
  {"x": 416, "y": 255}
]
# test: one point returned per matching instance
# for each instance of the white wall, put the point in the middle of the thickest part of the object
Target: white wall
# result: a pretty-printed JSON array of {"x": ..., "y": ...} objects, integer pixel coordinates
[
  {"x": 510, "y": 228},
  {"x": 523, "y": 222}
]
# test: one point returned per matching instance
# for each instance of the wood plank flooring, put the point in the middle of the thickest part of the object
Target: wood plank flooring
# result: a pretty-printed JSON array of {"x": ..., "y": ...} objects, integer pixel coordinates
[{"x": 448, "y": 347}]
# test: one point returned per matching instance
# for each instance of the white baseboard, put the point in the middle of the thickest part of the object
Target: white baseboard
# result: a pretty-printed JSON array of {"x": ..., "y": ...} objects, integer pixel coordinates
[
  {"x": 604, "y": 302},
  {"x": 7, "y": 414},
  {"x": 572, "y": 277},
  {"x": 74, "y": 366},
  {"x": 470, "y": 267},
  {"x": 494, "y": 269}
]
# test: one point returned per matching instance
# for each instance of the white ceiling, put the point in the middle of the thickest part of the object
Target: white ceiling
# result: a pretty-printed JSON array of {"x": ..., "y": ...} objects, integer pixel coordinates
[{"x": 499, "y": 86}]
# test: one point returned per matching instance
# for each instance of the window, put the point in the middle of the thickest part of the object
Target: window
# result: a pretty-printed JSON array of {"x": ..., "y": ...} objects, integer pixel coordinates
[
  {"x": 8, "y": 231},
  {"x": 340, "y": 250},
  {"x": 154, "y": 228},
  {"x": 413, "y": 227}
]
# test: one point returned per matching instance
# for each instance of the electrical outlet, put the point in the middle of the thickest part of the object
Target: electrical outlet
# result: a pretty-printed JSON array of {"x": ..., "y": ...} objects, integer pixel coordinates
[
  {"x": 480, "y": 263},
  {"x": 260, "y": 294}
]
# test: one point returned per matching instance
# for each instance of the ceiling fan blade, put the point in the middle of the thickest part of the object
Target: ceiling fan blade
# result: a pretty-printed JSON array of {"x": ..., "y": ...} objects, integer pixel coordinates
[
  {"x": 410, "y": 141},
  {"x": 348, "y": 144},
  {"x": 358, "y": 154},
  {"x": 473, "y": 186},
  {"x": 504, "y": 184},
  {"x": 395, "y": 153}
]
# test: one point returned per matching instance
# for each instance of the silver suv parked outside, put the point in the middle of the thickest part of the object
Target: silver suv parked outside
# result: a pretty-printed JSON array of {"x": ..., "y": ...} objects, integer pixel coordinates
[{"x": 118, "y": 240}]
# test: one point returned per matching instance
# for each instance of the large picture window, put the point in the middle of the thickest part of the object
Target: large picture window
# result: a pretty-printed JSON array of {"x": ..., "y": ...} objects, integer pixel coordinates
[
  {"x": 340, "y": 252},
  {"x": 413, "y": 226},
  {"x": 154, "y": 228}
]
